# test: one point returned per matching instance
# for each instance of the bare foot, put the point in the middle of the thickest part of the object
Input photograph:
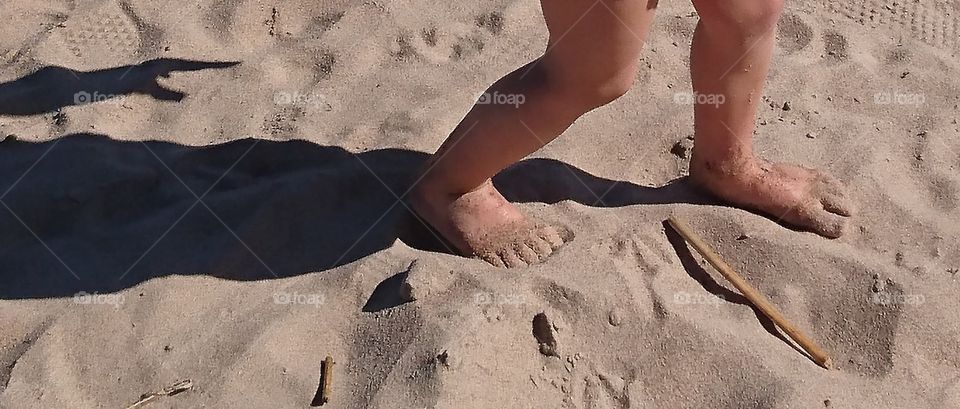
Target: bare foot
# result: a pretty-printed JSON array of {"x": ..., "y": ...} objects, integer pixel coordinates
[
  {"x": 482, "y": 223},
  {"x": 792, "y": 194}
]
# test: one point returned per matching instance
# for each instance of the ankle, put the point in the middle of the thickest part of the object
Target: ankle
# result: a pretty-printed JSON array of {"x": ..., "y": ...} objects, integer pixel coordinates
[
  {"x": 733, "y": 168},
  {"x": 434, "y": 189}
]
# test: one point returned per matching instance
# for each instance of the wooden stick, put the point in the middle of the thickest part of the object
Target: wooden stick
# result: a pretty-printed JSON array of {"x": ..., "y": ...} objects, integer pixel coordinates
[
  {"x": 327, "y": 379},
  {"x": 761, "y": 302}
]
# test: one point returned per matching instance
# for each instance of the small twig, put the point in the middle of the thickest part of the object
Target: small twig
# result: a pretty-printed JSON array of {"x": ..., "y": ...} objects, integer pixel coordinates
[
  {"x": 327, "y": 379},
  {"x": 171, "y": 390},
  {"x": 765, "y": 306}
]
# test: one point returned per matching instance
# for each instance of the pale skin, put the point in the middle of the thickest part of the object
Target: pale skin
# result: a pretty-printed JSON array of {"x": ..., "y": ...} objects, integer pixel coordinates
[{"x": 591, "y": 60}]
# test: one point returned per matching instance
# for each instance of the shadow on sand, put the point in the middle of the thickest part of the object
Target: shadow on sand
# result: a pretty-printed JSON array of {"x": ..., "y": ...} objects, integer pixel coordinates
[
  {"x": 51, "y": 88},
  {"x": 85, "y": 212},
  {"x": 89, "y": 213}
]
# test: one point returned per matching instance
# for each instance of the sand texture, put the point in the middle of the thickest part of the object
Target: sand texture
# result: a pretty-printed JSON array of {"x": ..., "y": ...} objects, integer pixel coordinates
[{"x": 226, "y": 211}]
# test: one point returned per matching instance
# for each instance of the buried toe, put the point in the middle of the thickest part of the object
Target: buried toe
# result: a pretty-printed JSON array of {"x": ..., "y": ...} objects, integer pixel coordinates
[
  {"x": 837, "y": 204},
  {"x": 828, "y": 224},
  {"x": 493, "y": 258},
  {"x": 818, "y": 219},
  {"x": 833, "y": 195},
  {"x": 510, "y": 258},
  {"x": 524, "y": 247},
  {"x": 554, "y": 236},
  {"x": 527, "y": 254},
  {"x": 541, "y": 247}
]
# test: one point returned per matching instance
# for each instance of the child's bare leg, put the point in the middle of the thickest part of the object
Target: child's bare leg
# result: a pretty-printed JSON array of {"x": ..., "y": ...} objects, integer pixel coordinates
[
  {"x": 731, "y": 51},
  {"x": 590, "y": 60}
]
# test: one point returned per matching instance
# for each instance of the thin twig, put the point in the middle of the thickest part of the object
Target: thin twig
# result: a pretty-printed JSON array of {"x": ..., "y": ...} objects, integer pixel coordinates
[
  {"x": 181, "y": 386},
  {"x": 756, "y": 298}
]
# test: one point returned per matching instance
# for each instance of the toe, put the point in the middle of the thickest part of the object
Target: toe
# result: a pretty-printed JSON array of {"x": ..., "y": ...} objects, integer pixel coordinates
[
  {"x": 554, "y": 236},
  {"x": 540, "y": 246},
  {"x": 492, "y": 258},
  {"x": 527, "y": 254},
  {"x": 833, "y": 196},
  {"x": 829, "y": 225},
  {"x": 837, "y": 204},
  {"x": 813, "y": 217},
  {"x": 510, "y": 258},
  {"x": 550, "y": 236},
  {"x": 565, "y": 234},
  {"x": 821, "y": 221}
]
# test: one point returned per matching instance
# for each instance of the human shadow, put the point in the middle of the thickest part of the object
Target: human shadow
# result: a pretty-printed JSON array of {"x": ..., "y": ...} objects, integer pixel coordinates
[
  {"x": 87, "y": 213},
  {"x": 52, "y": 88}
]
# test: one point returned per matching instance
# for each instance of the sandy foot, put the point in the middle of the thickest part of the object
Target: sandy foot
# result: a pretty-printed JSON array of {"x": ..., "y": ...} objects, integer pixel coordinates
[
  {"x": 483, "y": 224},
  {"x": 792, "y": 194}
]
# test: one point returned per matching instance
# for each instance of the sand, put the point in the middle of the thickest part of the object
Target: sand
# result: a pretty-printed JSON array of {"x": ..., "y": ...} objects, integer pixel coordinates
[{"x": 234, "y": 224}]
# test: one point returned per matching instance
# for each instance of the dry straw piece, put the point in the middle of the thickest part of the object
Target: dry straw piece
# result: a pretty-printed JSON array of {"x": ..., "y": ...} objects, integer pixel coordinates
[
  {"x": 765, "y": 306},
  {"x": 181, "y": 386}
]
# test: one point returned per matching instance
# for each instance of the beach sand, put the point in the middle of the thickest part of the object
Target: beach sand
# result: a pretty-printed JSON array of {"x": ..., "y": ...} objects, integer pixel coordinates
[{"x": 226, "y": 211}]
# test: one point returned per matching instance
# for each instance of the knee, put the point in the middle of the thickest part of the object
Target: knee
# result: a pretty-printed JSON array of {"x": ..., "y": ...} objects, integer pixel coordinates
[
  {"x": 598, "y": 90},
  {"x": 745, "y": 18},
  {"x": 587, "y": 91}
]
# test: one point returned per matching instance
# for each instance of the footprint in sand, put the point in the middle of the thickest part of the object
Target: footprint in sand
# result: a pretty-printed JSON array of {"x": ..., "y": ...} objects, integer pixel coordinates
[
  {"x": 435, "y": 45},
  {"x": 403, "y": 49},
  {"x": 932, "y": 22},
  {"x": 282, "y": 125},
  {"x": 452, "y": 42},
  {"x": 111, "y": 32},
  {"x": 324, "y": 64},
  {"x": 492, "y": 22},
  {"x": 835, "y": 45},
  {"x": 603, "y": 389},
  {"x": 932, "y": 153},
  {"x": 793, "y": 34}
]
